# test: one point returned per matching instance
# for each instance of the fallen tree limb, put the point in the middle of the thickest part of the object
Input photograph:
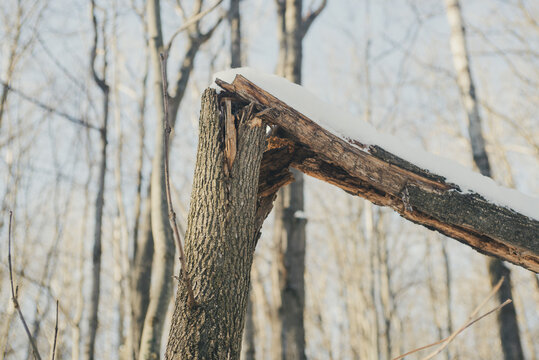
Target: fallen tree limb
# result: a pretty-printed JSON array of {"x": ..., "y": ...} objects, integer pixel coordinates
[{"x": 385, "y": 179}]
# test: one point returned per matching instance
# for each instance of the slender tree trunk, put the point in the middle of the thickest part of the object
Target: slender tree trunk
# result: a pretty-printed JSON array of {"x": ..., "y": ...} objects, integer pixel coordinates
[
  {"x": 289, "y": 228},
  {"x": 249, "y": 351},
  {"x": 120, "y": 242},
  {"x": 96, "y": 254},
  {"x": 142, "y": 240},
  {"x": 235, "y": 33},
  {"x": 163, "y": 259},
  {"x": 507, "y": 320},
  {"x": 89, "y": 350},
  {"x": 220, "y": 241},
  {"x": 142, "y": 272}
]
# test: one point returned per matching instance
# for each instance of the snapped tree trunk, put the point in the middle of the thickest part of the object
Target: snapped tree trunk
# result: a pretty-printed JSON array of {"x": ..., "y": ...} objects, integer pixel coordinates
[
  {"x": 507, "y": 319},
  {"x": 386, "y": 179},
  {"x": 220, "y": 240}
]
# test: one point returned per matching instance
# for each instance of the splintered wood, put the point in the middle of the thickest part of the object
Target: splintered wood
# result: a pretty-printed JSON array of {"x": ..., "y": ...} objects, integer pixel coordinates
[
  {"x": 384, "y": 179},
  {"x": 230, "y": 136}
]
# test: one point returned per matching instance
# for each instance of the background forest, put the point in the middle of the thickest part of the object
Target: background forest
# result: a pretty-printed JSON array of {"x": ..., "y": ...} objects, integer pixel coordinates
[{"x": 80, "y": 144}]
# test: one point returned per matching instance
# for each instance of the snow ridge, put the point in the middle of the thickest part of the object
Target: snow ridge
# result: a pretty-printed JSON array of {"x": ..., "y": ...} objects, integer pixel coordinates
[{"x": 348, "y": 127}]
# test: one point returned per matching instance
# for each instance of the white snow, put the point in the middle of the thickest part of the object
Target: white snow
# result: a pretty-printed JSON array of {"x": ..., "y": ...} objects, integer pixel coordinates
[{"x": 348, "y": 127}]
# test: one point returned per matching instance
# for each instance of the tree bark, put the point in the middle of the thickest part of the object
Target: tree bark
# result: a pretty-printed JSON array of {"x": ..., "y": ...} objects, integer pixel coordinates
[
  {"x": 163, "y": 262},
  {"x": 507, "y": 320},
  {"x": 220, "y": 240},
  {"x": 388, "y": 180}
]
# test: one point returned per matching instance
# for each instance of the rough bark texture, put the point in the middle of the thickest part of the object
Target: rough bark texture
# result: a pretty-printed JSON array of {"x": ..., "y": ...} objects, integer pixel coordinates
[
  {"x": 163, "y": 259},
  {"x": 385, "y": 180},
  {"x": 507, "y": 320},
  {"x": 162, "y": 235},
  {"x": 220, "y": 240}
]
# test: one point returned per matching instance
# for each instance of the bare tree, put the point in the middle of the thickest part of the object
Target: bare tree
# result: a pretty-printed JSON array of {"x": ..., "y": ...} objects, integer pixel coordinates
[
  {"x": 289, "y": 227},
  {"x": 89, "y": 350},
  {"x": 235, "y": 33},
  {"x": 507, "y": 320},
  {"x": 19, "y": 44}
]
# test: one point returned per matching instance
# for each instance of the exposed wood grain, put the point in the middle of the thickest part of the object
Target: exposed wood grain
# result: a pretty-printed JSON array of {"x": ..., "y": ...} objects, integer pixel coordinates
[{"x": 388, "y": 180}]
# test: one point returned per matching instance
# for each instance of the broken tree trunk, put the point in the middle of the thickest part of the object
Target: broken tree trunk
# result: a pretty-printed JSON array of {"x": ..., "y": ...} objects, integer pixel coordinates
[
  {"x": 221, "y": 235},
  {"x": 388, "y": 180}
]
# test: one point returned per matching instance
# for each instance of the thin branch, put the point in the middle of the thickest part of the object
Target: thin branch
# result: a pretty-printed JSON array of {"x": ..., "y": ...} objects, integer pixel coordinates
[
  {"x": 207, "y": 35},
  {"x": 49, "y": 109},
  {"x": 172, "y": 215},
  {"x": 60, "y": 66},
  {"x": 181, "y": 10},
  {"x": 309, "y": 19},
  {"x": 14, "y": 293},
  {"x": 192, "y": 20},
  {"x": 465, "y": 326},
  {"x": 53, "y": 351},
  {"x": 93, "y": 54},
  {"x": 470, "y": 322}
]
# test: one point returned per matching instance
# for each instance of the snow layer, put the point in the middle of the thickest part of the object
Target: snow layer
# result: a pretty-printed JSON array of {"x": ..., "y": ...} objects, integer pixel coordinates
[{"x": 349, "y": 127}]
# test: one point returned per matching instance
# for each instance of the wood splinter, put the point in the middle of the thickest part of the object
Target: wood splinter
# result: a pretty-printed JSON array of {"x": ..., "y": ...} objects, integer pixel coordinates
[{"x": 230, "y": 136}]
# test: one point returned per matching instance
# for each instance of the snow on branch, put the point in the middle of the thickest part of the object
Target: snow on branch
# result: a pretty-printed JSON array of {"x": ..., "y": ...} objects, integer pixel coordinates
[{"x": 326, "y": 143}]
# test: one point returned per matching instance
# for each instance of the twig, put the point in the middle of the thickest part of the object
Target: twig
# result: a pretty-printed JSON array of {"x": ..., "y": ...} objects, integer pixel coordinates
[
  {"x": 471, "y": 320},
  {"x": 194, "y": 19},
  {"x": 449, "y": 339},
  {"x": 48, "y": 108},
  {"x": 172, "y": 215},
  {"x": 14, "y": 293},
  {"x": 53, "y": 351}
]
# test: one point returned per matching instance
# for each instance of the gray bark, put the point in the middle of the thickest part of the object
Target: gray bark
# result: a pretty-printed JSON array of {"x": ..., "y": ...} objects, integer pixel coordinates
[
  {"x": 507, "y": 321},
  {"x": 220, "y": 241}
]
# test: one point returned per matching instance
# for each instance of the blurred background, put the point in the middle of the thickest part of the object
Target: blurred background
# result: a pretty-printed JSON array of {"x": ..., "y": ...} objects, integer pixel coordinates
[{"x": 376, "y": 285}]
